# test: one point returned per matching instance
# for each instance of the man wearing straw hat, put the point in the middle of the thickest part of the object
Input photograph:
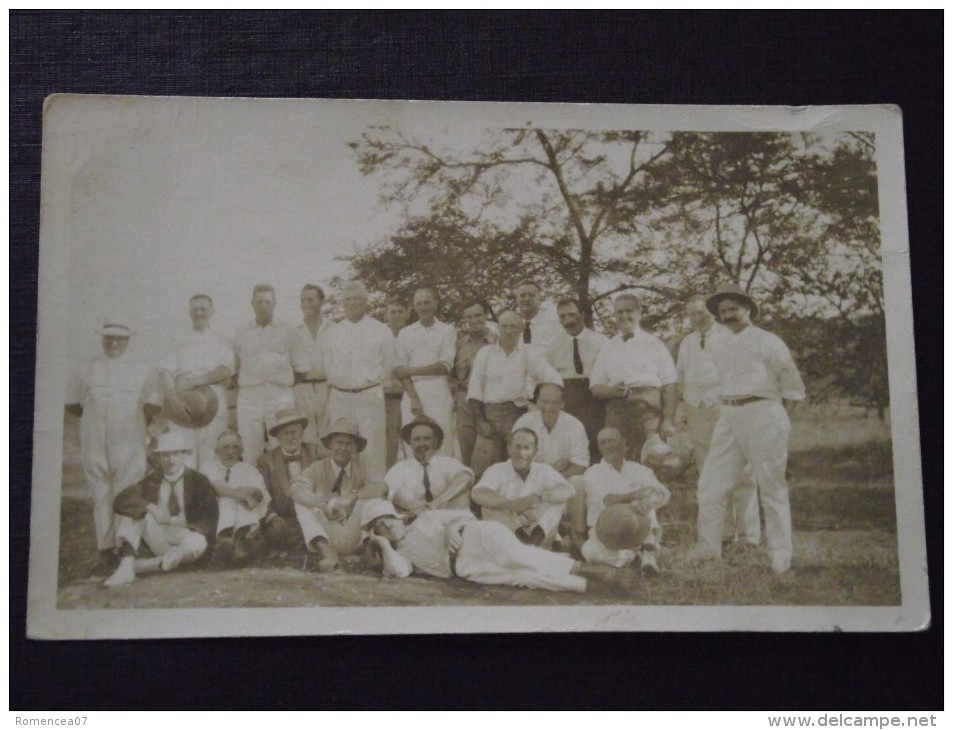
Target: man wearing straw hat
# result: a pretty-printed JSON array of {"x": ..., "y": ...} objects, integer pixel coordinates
[
  {"x": 173, "y": 510},
  {"x": 280, "y": 466},
  {"x": 203, "y": 359},
  {"x": 114, "y": 398},
  {"x": 427, "y": 480},
  {"x": 328, "y": 496},
  {"x": 758, "y": 382}
]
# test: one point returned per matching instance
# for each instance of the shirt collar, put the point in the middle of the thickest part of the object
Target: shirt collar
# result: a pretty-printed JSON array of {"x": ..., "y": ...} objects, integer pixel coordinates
[{"x": 174, "y": 477}]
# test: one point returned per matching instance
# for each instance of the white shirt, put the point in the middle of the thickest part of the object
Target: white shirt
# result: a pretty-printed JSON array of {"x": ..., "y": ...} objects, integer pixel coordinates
[
  {"x": 240, "y": 474},
  {"x": 201, "y": 352},
  {"x": 358, "y": 354},
  {"x": 567, "y": 440},
  {"x": 109, "y": 381},
  {"x": 696, "y": 370},
  {"x": 559, "y": 354},
  {"x": 499, "y": 378},
  {"x": 757, "y": 363},
  {"x": 425, "y": 545},
  {"x": 641, "y": 361},
  {"x": 544, "y": 328},
  {"x": 418, "y": 346},
  {"x": 542, "y": 479},
  {"x": 307, "y": 354},
  {"x": 264, "y": 354},
  {"x": 407, "y": 476},
  {"x": 603, "y": 479}
]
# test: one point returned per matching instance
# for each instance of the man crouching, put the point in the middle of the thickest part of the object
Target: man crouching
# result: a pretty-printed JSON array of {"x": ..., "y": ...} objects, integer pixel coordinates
[
  {"x": 173, "y": 510},
  {"x": 242, "y": 502},
  {"x": 453, "y": 543}
]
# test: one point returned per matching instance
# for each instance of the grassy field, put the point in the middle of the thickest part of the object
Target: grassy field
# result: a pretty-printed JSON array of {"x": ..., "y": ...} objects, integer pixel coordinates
[{"x": 845, "y": 548}]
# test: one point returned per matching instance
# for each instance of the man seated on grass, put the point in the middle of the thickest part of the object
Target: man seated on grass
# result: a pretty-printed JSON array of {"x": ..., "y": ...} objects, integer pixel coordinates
[
  {"x": 172, "y": 510},
  {"x": 427, "y": 480},
  {"x": 453, "y": 543},
  {"x": 329, "y": 494},
  {"x": 243, "y": 502},
  {"x": 615, "y": 481},
  {"x": 526, "y": 496}
]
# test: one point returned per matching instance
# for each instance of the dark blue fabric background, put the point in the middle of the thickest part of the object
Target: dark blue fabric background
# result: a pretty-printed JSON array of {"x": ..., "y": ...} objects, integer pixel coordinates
[{"x": 743, "y": 58}]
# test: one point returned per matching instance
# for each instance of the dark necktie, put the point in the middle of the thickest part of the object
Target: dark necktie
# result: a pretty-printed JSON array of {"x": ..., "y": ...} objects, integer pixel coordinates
[
  {"x": 576, "y": 357},
  {"x": 703, "y": 340},
  {"x": 527, "y": 334},
  {"x": 428, "y": 495},
  {"x": 626, "y": 338},
  {"x": 174, "y": 507},
  {"x": 338, "y": 482},
  {"x": 228, "y": 474}
]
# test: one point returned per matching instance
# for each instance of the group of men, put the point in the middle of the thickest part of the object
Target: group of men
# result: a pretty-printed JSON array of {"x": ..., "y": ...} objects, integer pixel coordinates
[{"x": 519, "y": 453}]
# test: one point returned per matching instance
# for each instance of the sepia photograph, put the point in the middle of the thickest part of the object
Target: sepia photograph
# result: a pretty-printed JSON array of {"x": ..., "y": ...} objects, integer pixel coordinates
[{"x": 326, "y": 366}]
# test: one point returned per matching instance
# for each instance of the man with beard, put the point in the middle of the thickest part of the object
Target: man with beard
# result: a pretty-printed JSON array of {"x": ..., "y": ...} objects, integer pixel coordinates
[{"x": 428, "y": 480}]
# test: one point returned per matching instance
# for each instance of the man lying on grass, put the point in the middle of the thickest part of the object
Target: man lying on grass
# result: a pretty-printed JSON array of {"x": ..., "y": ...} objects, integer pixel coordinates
[{"x": 454, "y": 543}]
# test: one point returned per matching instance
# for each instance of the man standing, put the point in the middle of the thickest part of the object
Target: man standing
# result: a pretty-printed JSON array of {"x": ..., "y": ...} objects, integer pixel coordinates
[
  {"x": 202, "y": 358},
  {"x": 523, "y": 494},
  {"x": 281, "y": 466},
  {"x": 425, "y": 352},
  {"x": 698, "y": 389},
  {"x": 265, "y": 375},
  {"x": 243, "y": 502},
  {"x": 563, "y": 444},
  {"x": 307, "y": 360},
  {"x": 329, "y": 494},
  {"x": 360, "y": 355},
  {"x": 572, "y": 354},
  {"x": 396, "y": 313},
  {"x": 617, "y": 481},
  {"x": 503, "y": 379},
  {"x": 758, "y": 382},
  {"x": 540, "y": 324},
  {"x": 427, "y": 480},
  {"x": 114, "y": 398},
  {"x": 477, "y": 335},
  {"x": 635, "y": 376},
  {"x": 173, "y": 510}
]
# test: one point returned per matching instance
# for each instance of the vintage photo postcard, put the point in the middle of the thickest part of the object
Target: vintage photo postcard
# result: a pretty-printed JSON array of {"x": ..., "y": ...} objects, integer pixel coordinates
[{"x": 352, "y": 367}]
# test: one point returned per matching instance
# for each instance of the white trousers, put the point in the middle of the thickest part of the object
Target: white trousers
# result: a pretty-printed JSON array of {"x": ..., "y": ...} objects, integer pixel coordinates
[
  {"x": 367, "y": 408},
  {"x": 311, "y": 399},
  {"x": 492, "y": 555},
  {"x": 742, "y": 519},
  {"x": 594, "y": 551},
  {"x": 257, "y": 405},
  {"x": 753, "y": 435},
  {"x": 546, "y": 515},
  {"x": 174, "y": 544},
  {"x": 344, "y": 537},
  {"x": 437, "y": 402},
  {"x": 233, "y": 513}
]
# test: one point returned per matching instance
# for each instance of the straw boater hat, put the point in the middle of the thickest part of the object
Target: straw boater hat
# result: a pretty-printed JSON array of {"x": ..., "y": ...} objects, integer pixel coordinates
[
  {"x": 377, "y": 508},
  {"x": 169, "y": 443},
  {"x": 620, "y": 528},
  {"x": 116, "y": 327},
  {"x": 348, "y": 427},
  {"x": 730, "y": 291},
  {"x": 422, "y": 421},
  {"x": 285, "y": 418}
]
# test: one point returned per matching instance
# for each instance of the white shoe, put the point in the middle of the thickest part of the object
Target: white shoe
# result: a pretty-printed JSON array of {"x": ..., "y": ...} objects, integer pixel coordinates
[
  {"x": 649, "y": 561},
  {"x": 780, "y": 566},
  {"x": 124, "y": 574}
]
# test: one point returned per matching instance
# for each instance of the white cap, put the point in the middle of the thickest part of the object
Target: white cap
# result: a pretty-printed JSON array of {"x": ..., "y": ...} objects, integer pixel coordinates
[{"x": 377, "y": 508}]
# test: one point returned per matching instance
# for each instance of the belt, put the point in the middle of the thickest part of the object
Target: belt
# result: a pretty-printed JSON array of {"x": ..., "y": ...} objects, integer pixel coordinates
[
  {"x": 743, "y": 401},
  {"x": 356, "y": 390},
  {"x": 313, "y": 381}
]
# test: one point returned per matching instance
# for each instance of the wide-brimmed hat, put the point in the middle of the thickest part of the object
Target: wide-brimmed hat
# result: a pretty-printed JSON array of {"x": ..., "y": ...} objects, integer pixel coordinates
[
  {"x": 347, "y": 427},
  {"x": 377, "y": 508},
  {"x": 285, "y": 418},
  {"x": 730, "y": 291},
  {"x": 620, "y": 528},
  {"x": 202, "y": 406},
  {"x": 423, "y": 421},
  {"x": 116, "y": 327},
  {"x": 168, "y": 443}
]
